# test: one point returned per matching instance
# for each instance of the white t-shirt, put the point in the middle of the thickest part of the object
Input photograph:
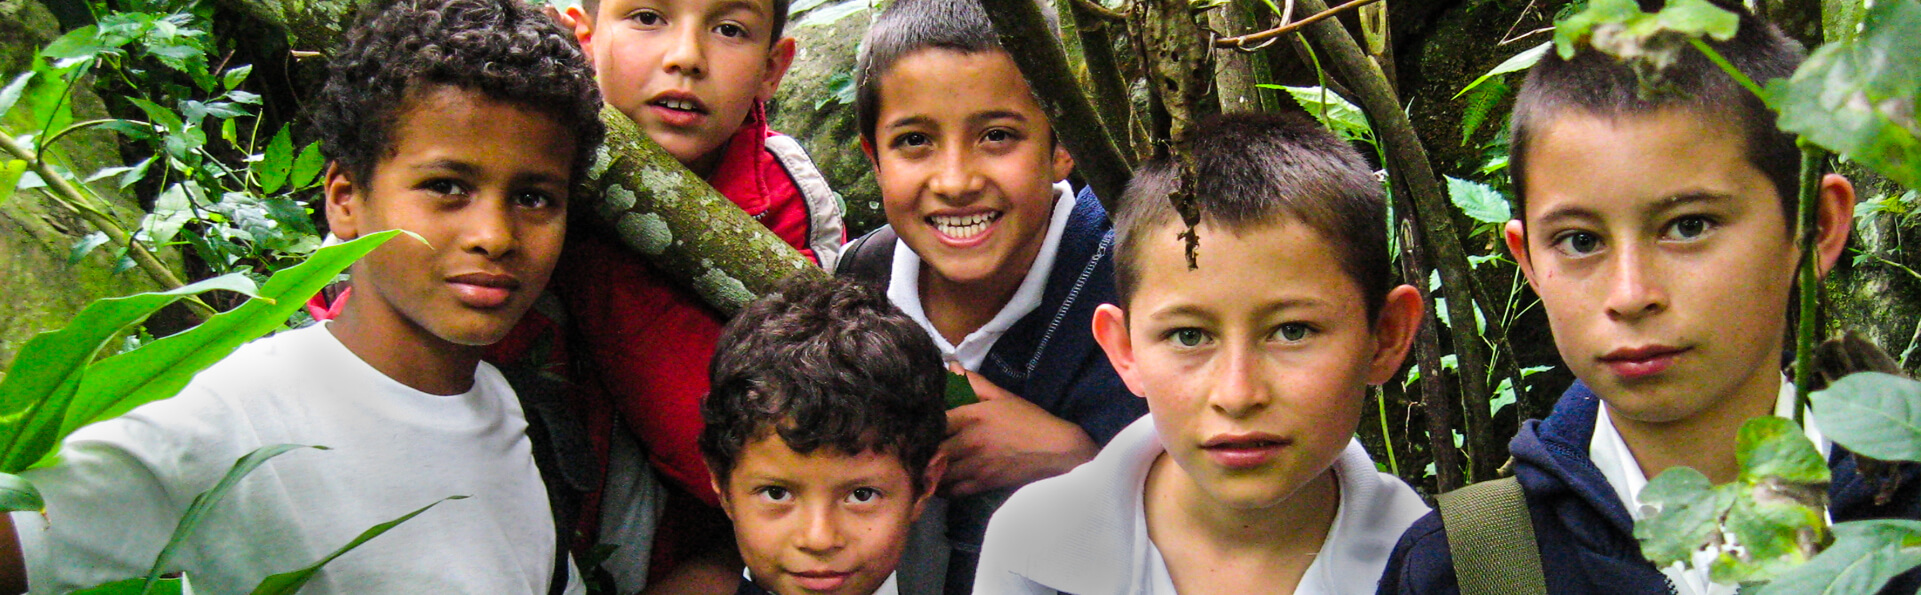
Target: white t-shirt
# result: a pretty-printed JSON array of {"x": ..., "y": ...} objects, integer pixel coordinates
[
  {"x": 1611, "y": 456},
  {"x": 1086, "y": 532},
  {"x": 123, "y": 484}
]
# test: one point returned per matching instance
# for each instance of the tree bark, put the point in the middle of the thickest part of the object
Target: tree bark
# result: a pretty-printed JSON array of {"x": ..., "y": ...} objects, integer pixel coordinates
[
  {"x": 1037, "y": 51},
  {"x": 1107, "y": 83},
  {"x": 680, "y": 223},
  {"x": 1427, "y": 346},
  {"x": 1407, "y": 160},
  {"x": 1234, "y": 71}
]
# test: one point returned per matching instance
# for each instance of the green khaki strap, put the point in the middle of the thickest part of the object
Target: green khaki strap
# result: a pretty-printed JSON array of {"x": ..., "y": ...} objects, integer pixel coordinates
[{"x": 1492, "y": 539}]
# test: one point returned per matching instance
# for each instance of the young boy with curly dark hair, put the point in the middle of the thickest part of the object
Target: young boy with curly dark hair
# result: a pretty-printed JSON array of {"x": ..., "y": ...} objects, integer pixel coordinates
[
  {"x": 462, "y": 121},
  {"x": 822, "y": 436}
]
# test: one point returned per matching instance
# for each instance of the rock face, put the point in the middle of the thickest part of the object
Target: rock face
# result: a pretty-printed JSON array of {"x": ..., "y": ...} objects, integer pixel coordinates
[
  {"x": 815, "y": 104},
  {"x": 42, "y": 290}
]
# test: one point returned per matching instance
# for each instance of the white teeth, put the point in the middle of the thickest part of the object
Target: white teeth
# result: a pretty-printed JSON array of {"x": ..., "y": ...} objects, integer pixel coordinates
[
  {"x": 961, "y": 227},
  {"x": 677, "y": 104}
]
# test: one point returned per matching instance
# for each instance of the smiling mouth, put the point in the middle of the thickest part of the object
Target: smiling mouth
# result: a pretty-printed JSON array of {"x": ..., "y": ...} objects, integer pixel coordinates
[
  {"x": 961, "y": 227},
  {"x": 680, "y": 105}
]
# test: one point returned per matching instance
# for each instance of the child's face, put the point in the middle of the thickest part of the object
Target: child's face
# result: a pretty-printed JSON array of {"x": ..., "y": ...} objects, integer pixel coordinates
[
  {"x": 966, "y": 163},
  {"x": 1254, "y": 365},
  {"x": 1662, "y": 258},
  {"x": 485, "y": 184},
  {"x": 687, "y": 71},
  {"x": 821, "y": 522}
]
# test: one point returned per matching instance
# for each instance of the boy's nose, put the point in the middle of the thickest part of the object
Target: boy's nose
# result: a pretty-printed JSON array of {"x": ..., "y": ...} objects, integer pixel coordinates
[
  {"x": 685, "y": 55},
  {"x": 1633, "y": 288},
  {"x": 956, "y": 178},
  {"x": 821, "y": 532},
  {"x": 490, "y": 231},
  {"x": 1238, "y": 389}
]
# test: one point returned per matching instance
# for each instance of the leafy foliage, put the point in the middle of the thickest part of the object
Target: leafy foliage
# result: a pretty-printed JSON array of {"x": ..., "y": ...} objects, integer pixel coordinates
[
  {"x": 1858, "y": 98},
  {"x": 1875, "y": 414},
  {"x": 1769, "y": 519}
]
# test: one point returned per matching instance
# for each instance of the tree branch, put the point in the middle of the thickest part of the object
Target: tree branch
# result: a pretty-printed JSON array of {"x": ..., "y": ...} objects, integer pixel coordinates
[
  {"x": 1241, "y": 42},
  {"x": 1407, "y": 161},
  {"x": 63, "y": 191},
  {"x": 681, "y": 224},
  {"x": 1037, "y": 51},
  {"x": 1104, "y": 72},
  {"x": 1427, "y": 346},
  {"x": 1094, "y": 9}
]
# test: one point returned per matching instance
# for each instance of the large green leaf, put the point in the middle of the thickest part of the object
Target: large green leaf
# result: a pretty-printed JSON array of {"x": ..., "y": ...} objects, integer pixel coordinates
[
  {"x": 287, "y": 583},
  {"x": 274, "y": 166},
  {"x": 1858, "y": 98},
  {"x": 1690, "y": 506},
  {"x": 1775, "y": 447},
  {"x": 136, "y": 586},
  {"x": 1874, "y": 414},
  {"x": 17, "y": 494},
  {"x": 204, "y": 503},
  {"x": 1518, "y": 62},
  {"x": 159, "y": 369},
  {"x": 1478, "y": 200},
  {"x": 1864, "y": 557},
  {"x": 47, "y": 371},
  {"x": 10, "y": 172}
]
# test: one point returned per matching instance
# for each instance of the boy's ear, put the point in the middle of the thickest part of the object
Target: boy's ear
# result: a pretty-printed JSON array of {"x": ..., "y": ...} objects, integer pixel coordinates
[
  {"x": 576, "y": 18},
  {"x": 867, "y": 148},
  {"x": 1063, "y": 162},
  {"x": 779, "y": 58},
  {"x": 1394, "y": 330},
  {"x": 930, "y": 480},
  {"x": 726, "y": 505},
  {"x": 1515, "y": 234},
  {"x": 1110, "y": 331},
  {"x": 345, "y": 207},
  {"x": 1834, "y": 220}
]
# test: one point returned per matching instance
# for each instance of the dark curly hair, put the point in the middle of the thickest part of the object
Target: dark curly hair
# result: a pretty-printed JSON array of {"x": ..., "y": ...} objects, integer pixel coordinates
[
  {"x": 503, "y": 49},
  {"x": 825, "y": 362}
]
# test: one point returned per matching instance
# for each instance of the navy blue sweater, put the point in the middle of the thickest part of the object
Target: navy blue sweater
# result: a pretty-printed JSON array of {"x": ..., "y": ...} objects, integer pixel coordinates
[{"x": 1585, "y": 534}]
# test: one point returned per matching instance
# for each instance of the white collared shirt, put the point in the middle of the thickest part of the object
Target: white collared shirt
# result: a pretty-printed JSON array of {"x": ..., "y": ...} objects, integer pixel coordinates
[
  {"x": 1086, "y": 532},
  {"x": 887, "y": 587},
  {"x": 904, "y": 290},
  {"x": 1611, "y": 455}
]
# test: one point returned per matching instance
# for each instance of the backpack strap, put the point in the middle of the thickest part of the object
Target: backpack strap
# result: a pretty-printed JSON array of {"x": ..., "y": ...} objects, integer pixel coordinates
[
  {"x": 1492, "y": 539},
  {"x": 825, "y": 209},
  {"x": 562, "y": 453},
  {"x": 870, "y": 259}
]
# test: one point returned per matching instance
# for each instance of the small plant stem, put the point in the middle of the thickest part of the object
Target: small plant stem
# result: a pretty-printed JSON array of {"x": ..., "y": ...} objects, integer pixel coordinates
[
  {"x": 1241, "y": 42},
  {"x": 71, "y": 196},
  {"x": 1735, "y": 73},
  {"x": 1387, "y": 440},
  {"x": 1040, "y": 57},
  {"x": 1811, "y": 159}
]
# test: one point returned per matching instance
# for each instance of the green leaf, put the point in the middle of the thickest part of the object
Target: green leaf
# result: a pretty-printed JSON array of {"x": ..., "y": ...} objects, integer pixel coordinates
[
  {"x": 82, "y": 43},
  {"x": 287, "y": 583},
  {"x": 1699, "y": 17},
  {"x": 1518, "y": 62},
  {"x": 1864, "y": 557},
  {"x": 171, "y": 211},
  {"x": 1334, "y": 112},
  {"x": 1874, "y": 414},
  {"x": 1478, "y": 200},
  {"x": 1772, "y": 446},
  {"x": 1690, "y": 508},
  {"x": 18, "y": 495},
  {"x": 34, "y": 399},
  {"x": 10, "y": 172},
  {"x": 159, "y": 115},
  {"x": 85, "y": 246},
  {"x": 1859, "y": 98},
  {"x": 1779, "y": 525},
  {"x": 1480, "y": 106},
  {"x": 137, "y": 586},
  {"x": 204, "y": 503},
  {"x": 307, "y": 167},
  {"x": 11, "y": 93},
  {"x": 159, "y": 369},
  {"x": 960, "y": 391},
  {"x": 234, "y": 76},
  {"x": 273, "y": 167}
]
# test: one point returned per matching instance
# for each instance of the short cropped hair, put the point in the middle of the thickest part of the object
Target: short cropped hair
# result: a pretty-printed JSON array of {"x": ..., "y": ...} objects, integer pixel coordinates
[
  {"x": 825, "y": 362},
  {"x": 1597, "y": 84},
  {"x": 399, "y": 51},
  {"x": 592, "y": 8},
  {"x": 909, "y": 26},
  {"x": 1256, "y": 169}
]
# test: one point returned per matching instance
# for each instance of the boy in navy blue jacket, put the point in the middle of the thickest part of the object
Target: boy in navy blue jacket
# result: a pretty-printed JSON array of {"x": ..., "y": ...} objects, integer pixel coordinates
[
  {"x": 1659, "y": 233},
  {"x": 996, "y": 257}
]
